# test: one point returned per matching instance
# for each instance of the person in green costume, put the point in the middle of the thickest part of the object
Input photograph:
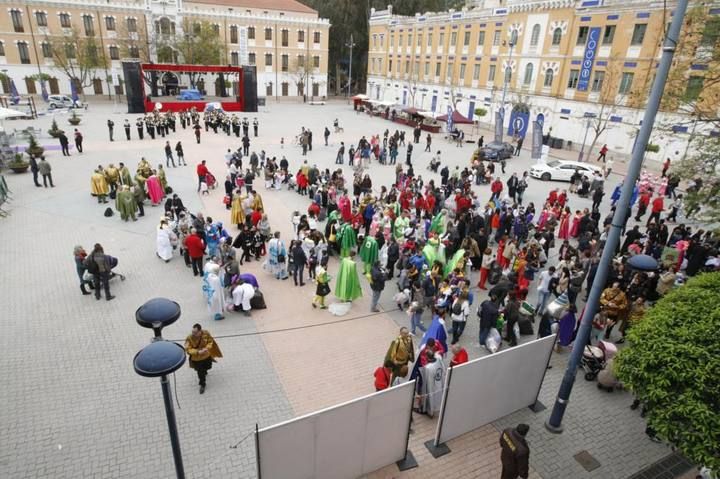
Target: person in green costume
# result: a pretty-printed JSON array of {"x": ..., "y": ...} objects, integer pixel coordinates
[
  {"x": 347, "y": 239},
  {"x": 125, "y": 178},
  {"x": 347, "y": 287},
  {"x": 163, "y": 179},
  {"x": 125, "y": 203},
  {"x": 450, "y": 266},
  {"x": 438, "y": 223},
  {"x": 400, "y": 224},
  {"x": 369, "y": 252}
]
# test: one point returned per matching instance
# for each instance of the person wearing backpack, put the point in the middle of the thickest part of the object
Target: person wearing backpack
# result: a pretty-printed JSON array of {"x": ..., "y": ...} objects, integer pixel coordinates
[
  {"x": 488, "y": 314},
  {"x": 98, "y": 264},
  {"x": 459, "y": 313}
]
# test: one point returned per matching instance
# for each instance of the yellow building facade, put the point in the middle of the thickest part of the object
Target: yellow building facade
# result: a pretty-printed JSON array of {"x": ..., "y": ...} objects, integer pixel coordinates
[
  {"x": 284, "y": 39},
  {"x": 567, "y": 60}
]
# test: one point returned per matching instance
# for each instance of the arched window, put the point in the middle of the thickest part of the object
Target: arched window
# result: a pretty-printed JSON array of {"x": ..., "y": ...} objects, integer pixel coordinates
[
  {"x": 535, "y": 37},
  {"x": 528, "y": 74},
  {"x": 557, "y": 36},
  {"x": 549, "y": 73}
]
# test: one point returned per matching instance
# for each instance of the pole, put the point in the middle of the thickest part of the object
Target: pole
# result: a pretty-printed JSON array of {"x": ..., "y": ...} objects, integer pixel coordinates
[
  {"x": 172, "y": 427},
  {"x": 582, "y": 148},
  {"x": 350, "y": 66},
  {"x": 513, "y": 38},
  {"x": 37, "y": 57},
  {"x": 105, "y": 63},
  {"x": 554, "y": 423}
]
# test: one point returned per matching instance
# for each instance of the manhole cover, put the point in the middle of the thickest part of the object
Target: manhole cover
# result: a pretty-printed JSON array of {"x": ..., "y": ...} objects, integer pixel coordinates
[{"x": 588, "y": 462}]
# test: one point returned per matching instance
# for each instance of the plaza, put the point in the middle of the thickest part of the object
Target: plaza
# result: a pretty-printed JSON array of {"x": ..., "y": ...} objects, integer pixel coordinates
[{"x": 74, "y": 406}]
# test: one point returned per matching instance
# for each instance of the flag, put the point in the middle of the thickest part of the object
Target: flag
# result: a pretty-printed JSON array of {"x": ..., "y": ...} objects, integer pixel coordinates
[
  {"x": 436, "y": 330},
  {"x": 537, "y": 140},
  {"x": 43, "y": 89},
  {"x": 73, "y": 92},
  {"x": 14, "y": 95},
  {"x": 499, "y": 116},
  {"x": 450, "y": 119}
]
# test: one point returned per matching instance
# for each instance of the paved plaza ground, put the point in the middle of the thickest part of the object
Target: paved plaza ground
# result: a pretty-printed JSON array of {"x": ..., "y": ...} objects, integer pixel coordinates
[{"x": 73, "y": 406}]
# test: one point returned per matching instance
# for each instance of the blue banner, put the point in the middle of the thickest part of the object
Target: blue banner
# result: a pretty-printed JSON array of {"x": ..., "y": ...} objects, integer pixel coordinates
[
  {"x": 518, "y": 125},
  {"x": 588, "y": 58}
]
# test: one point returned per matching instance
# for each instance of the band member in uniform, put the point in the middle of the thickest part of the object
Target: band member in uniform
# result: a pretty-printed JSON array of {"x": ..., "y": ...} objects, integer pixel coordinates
[
  {"x": 139, "y": 126},
  {"x": 255, "y": 126},
  {"x": 245, "y": 126},
  {"x": 127, "y": 128}
]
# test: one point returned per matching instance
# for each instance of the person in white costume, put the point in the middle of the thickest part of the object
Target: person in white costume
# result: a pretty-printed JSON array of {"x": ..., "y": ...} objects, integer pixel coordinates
[
  {"x": 241, "y": 295},
  {"x": 213, "y": 290},
  {"x": 164, "y": 240}
]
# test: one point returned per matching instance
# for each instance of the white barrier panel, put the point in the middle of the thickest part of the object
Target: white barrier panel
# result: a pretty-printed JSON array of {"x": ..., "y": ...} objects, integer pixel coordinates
[
  {"x": 491, "y": 387},
  {"x": 344, "y": 441}
]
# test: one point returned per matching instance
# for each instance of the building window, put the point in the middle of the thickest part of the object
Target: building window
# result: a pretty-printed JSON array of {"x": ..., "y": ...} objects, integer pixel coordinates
[
  {"x": 626, "y": 83},
  {"x": 449, "y": 73},
  {"x": 316, "y": 37},
  {"x": 110, "y": 24},
  {"x": 481, "y": 39},
  {"x": 382, "y": 40},
  {"x": 437, "y": 69},
  {"x": 316, "y": 61},
  {"x": 528, "y": 74},
  {"x": 711, "y": 31},
  {"x": 46, "y": 50},
  {"x": 235, "y": 59},
  {"x": 557, "y": 36},
  {"x": 233, "y": 34},
  {"x": 374, "y": 41},
  {"x": 301, "y": 61},
  {"x": 476, "y": 72},
  {"x": 216, "y": 29},
  {"x": 608, "y": 35},
  {"x": 694, "y": 87},
  {"x": 461, "y": 74},
  {"x": 268, "y": 89},
  {"x": 390, "y": 67},
  {"x": 401, "y": 39},
  {"x": 131, "y": 24},
  {"x": 441, "y": 40},
  {"x": 251, "y": 58},
  {"x": 301, "y": 36},
  {"x": 2, "y": 49},
  {"x": 70, "y": 50},
  {"x": 598, "y": 80},
  {"x": 429, "y": 40},
  {"x": 268, "y": 34},
  {"x": 41, "y": 19},
  {"x": 89, "y": 25},
  {"x": 284, "y": 38},
  {"x": 496, "y": 38},
  {"x": 419, "y": 39},
  {"x": 24, "y": 52},
  {"x": 573, "y": 78},
  {"x": 114, "y": 53},
  {"x": 466, "y": 39},
  {"x": 427, "y": 68},
  {"x": 638, "y": 34},
  {"x": 268, "y": 59},
  {"x": 453, "y": 39},
  {"x": 582, "y": 35},
  {"x": 392, "y": 41},
  {"x": 284, "y": 88},
  {"x": 134, "y": 51},
  {"x": 65, "y": 21},
  {"x": 549, "y": 74},
  {"x": 17, "y": 22},
  {"x": 251, "y": 33},
  {"x": 491, "y": 73},
  {"x": 409, "y": 43},
  {"x": 407, "y": 66},
  {"x": 284, "y": 63},
  {"x": 535, "y": 36}
]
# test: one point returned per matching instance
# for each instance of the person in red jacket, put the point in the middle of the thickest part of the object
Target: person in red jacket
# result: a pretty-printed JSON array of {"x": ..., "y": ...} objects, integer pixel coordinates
[
  {"x": 383, "y": 374},
  {"x": 496, "y": 188},
  {"x": 460, "y": 356},
  {"x": 430, "y": 203},
  {"x": 658, "y": 206},
  {"x": 462, "y": 203},
  {"x": 643, "y": 203},
  {"x": 313, "y": 209},
  {"x": 195, "y": 247},
  {"x": 419, "y": 205},
  {"x": 202, "y": 172}
]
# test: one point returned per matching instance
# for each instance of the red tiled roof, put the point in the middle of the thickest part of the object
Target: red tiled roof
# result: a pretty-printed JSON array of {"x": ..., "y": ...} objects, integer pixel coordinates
[{"x": 279, "y": 5}]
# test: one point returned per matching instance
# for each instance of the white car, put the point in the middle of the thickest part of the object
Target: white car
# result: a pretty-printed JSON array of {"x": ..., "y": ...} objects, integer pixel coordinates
[
  {"x": 63, "y": 101},
  {"x": 561, "y": 170}
]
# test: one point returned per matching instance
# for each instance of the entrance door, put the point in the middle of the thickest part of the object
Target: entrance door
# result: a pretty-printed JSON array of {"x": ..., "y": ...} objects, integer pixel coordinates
[
  {"x": 30, "y": 84},
  {"x": 404, "y": 97},
  {"x": 284, "y": 88},
  {"x": 471, "y": 110},
  {"x": 97, "y": 86},
  {"x": 433, "y": 105},
  {"x": 316, "y": 89},
  {"x": 54, "y": 86}
]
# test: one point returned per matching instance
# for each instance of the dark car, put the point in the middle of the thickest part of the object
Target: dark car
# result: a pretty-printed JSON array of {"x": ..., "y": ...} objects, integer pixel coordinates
[{"x": 496, "y": 151}]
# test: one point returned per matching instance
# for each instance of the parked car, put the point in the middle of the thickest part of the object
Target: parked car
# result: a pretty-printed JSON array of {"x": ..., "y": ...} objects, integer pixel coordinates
[
  {"x": 496, "y": 151},
  {"x": 561, "y": 170},
  {"x": 63, "y": 101}
]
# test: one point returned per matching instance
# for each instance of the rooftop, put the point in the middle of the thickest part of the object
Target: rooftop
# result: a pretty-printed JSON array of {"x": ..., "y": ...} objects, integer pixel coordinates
[{"x": 279, "y": 5}]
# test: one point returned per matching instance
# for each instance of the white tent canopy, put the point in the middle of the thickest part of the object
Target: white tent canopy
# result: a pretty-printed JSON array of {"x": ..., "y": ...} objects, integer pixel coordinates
[{"x": 6, "y": 113}]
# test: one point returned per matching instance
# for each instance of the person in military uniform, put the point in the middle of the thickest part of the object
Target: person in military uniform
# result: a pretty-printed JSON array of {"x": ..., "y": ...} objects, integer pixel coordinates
[
  {"x": 111, "y": 126},
  {"x": 245, "y": 126},
  {"x": 182, "y": 119},
  {"x": 236, "y": 126},
  {"x": 150, "y": 125},
  {"x": 140, "y": 127},
  {"x": 515, "y": 453},
  {"x": 255, "y": 126},
  {"x": 127, "y": 128}
]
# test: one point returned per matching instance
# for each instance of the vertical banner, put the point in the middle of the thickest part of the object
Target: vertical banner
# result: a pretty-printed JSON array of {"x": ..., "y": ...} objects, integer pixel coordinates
[
  {"x": 243, "y": 45},
  {"x": 498, "y": 126},
  {"x": 588, "y": 58},
  {"x": 537, "y": 135},
  {"x": 518, "y": 123},
  {"x": 450, "y": 124}
]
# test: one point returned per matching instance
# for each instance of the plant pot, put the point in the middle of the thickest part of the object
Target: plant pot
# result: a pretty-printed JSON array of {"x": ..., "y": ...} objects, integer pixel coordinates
[
  {"x": 19, "y": 169},
  {"x": 55, "y": 133},
  {"x": 74, "y": 121},
  {"x": 35, "y": 152}
]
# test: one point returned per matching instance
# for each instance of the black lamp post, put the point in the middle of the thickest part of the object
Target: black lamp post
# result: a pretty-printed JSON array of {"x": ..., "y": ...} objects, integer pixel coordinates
[{"x": 160, "y": 358}]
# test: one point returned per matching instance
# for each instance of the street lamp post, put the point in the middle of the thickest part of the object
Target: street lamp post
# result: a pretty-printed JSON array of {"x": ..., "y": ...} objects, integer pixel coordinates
[
  {"x": 554, "y": 422},
  {"x": 508, "y": 75},
  {"x": 351, "y": 45},
  {"x": 588, "y": 124},
  {"x": 160, "y": 358}
]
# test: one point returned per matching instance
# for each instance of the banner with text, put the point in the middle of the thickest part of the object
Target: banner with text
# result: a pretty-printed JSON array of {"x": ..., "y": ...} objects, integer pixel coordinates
[
  {"x": 537, "y": 140},
  {"x": 518, "y": 123},
  {"x": 588, "y": 58}
]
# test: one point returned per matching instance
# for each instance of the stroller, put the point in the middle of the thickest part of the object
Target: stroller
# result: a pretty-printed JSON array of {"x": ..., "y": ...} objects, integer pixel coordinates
[
  {"x": 595, "y": 358},
  {"x": 113, "y": 263},
  {"x": 211, "y": 181}
]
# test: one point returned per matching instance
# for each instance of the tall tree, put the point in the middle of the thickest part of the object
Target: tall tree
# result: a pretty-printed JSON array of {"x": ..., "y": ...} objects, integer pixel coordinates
[{"x": 77, "y": 55}]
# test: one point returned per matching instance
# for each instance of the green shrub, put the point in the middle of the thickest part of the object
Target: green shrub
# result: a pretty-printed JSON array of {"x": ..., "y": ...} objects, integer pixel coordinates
[
  {"x": 652, "y": 148},
  {"x": 673, "y": 367}
]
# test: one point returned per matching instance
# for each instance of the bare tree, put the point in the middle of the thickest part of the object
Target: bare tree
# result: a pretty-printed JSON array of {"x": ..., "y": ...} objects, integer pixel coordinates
[
  {"x": 299, "y": 71},
  {"x": 77, "y": 55},
  {"x": 607, "y": 102}
]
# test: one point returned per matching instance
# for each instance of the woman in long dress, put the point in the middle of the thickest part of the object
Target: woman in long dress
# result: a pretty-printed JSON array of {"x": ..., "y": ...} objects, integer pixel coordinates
[
  {"x": 154, "y": 189},
  {"x": 347, "y": 287},
  {"x": 164, "y": 240},
  {"x": 213, "y": 291},
  {"x": 564, "y": 230},
  {"x": 277, "y": 257}
]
